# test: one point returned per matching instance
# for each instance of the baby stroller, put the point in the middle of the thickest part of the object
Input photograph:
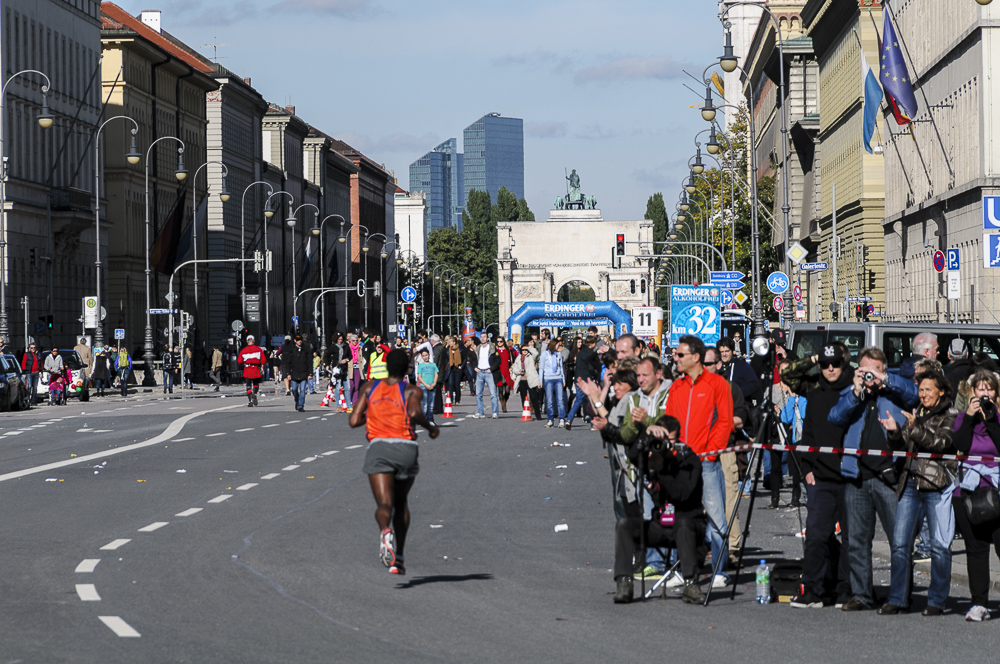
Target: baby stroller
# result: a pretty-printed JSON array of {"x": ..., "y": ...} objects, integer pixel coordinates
[{"x": 57, "y": 388}]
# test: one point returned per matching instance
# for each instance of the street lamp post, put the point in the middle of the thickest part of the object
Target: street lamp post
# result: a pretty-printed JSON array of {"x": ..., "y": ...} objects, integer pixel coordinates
[
  {"x": 317, "y": 229},
  {"x": 291, "y": 224},
  {"x": 133, "y": 158},
  {"x": 243, "y": 242},
  {"x": 269, "y": 210},
  {"x": 148, "y": 355},
  {"x": 45, "y": 120},
  {"x": 381, "y": 272},
  {"x": 342, "y": 238},
  {"x": 224, "y": 197}
]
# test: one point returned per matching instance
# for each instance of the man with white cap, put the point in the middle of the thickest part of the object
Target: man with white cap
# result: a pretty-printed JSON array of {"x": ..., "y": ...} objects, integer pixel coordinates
[{"x": 252, "y": 358}]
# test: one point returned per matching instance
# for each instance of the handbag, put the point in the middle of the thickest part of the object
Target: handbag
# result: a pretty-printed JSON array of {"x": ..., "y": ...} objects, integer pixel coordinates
[{"x": 982, "y": 505}]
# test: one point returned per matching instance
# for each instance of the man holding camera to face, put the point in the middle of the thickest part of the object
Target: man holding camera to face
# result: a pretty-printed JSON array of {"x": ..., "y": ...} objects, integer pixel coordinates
[
  {"x": 673, "y": 480},
  {"x": 871, "y": 480}
]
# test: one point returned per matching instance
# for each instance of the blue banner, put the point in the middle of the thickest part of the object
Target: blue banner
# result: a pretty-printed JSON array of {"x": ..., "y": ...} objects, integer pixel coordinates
[{"x": 695, "y": 310}]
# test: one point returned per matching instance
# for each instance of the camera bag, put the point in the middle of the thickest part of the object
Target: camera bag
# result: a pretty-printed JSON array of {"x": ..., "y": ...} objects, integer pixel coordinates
[{"x": 982, "y": 505}]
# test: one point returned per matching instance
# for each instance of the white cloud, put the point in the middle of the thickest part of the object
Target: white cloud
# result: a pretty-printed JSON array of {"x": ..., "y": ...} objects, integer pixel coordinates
[
  {"x": 631, "y": 69},
  {"x": 545, "y": 129}
]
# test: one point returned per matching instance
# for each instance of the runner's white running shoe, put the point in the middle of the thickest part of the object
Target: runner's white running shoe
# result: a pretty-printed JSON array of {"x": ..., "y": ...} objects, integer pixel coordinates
[{"x": 387, "y": 548}]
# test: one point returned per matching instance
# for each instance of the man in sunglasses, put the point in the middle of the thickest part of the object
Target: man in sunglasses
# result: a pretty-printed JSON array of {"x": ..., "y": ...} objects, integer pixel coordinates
[{"x": 825, "y": 572}]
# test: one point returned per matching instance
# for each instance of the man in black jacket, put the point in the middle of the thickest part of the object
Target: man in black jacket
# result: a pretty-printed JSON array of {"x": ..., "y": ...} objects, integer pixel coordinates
[
  {"x": 588, "y": 366},
  {"x": 824, "y": 570},
  {"x": 678, "y": 518},
  {"x": 296, "y": 364}
]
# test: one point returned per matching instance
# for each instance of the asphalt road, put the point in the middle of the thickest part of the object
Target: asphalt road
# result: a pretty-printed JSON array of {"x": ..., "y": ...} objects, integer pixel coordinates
[{"x": 264, "y": 549}]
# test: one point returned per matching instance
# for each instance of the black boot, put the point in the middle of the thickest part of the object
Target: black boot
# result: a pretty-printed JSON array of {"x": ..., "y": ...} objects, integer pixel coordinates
[
  {"x": 623, "y": 594},
  {"x": 692, "y": 592}
]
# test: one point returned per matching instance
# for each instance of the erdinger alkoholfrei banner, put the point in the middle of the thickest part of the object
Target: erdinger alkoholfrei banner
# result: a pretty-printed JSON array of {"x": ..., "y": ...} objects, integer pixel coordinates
[{"x": 468, "y": 328}]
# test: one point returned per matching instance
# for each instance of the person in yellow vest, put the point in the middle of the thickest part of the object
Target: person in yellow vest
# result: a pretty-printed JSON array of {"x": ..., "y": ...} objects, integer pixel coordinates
[{"x": 376, "y": 366}]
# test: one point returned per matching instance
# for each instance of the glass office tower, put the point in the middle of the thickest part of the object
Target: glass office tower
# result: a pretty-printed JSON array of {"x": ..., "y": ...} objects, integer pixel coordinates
[
  {"x": 439, "y": 175},
  {"x": 494, "y": 155}
]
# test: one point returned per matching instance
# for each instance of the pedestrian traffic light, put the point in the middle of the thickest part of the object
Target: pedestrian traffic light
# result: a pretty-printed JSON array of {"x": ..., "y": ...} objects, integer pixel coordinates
[
  {"x": 47, "y": 319},
  {"x": 620, "y": 247},
  {"x": 859, "y": 311},
  {"x": 632, "y": 286}
]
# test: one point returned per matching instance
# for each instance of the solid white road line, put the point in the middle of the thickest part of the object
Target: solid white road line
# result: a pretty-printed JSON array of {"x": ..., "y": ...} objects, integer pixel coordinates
[
  {"x": 153, "y": 526},
  {"x": 292, "y": 467},
  {"x": 87, "y": 592},
  {"x": 268, "y": 426},
  {"x": 308, "y": 460},
  {"x": 189, "y": 512},
  {"x": 223, "y": 497},
  {"x": 247, "y": 429},
  {"x": 119, "y": 626},
  {"x": 246, "y": 487},
  {"x": 269, "y": 476},
  {"x": 352, "y": 447},
  {"x": 212, "y": 435},
  {"x": 330, "y": 452},
  {"x": 172, "y": 430},
  {"x": 87, "y": 565},
  {"x": 118, "y": 543}
]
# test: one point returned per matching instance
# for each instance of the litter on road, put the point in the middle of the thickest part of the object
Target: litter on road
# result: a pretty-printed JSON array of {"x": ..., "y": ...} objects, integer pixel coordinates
[{"x": 562, "y": 527}]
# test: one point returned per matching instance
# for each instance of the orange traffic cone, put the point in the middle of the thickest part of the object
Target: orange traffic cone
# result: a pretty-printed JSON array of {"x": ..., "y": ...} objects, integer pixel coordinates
[
  {"x": 329, "y": 397},
  {"x": 526, "y": 413},
  {"x": 447, "y": 406},
  {"x": 342, "y": 408}
]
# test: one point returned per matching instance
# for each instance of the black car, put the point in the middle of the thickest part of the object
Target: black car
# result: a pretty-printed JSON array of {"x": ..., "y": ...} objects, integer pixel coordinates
[{"x": 15, "y": 393}]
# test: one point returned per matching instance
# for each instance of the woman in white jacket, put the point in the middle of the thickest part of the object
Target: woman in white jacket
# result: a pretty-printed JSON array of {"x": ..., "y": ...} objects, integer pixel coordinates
[{"x": 524, "y": 371}]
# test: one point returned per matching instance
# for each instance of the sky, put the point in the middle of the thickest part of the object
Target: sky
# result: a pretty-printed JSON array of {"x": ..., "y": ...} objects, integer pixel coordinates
[{"x": 599, "y": 83}]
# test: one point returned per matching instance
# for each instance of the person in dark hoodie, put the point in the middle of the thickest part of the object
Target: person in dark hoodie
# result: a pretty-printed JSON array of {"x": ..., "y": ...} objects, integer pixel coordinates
[{"x": 824, "y": 570}]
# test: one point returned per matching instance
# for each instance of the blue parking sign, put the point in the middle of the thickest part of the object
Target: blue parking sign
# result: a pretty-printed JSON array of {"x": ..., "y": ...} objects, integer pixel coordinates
[
  {"x": 953, "y": 261},
  {"x": 991, "y": 250},
  {"x": 695, "y": 310}
]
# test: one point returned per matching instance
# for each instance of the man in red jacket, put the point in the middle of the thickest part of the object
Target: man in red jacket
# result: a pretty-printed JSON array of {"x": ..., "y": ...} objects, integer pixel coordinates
[
  {"x": 31, "y": 364},
  {"x": 252, "y": 358},
  {"x": 703, "y": 403}
]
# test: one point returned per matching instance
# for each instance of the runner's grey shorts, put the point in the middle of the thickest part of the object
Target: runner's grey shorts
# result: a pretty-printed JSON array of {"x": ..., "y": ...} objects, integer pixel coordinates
[{"x": 392, "y": 455}]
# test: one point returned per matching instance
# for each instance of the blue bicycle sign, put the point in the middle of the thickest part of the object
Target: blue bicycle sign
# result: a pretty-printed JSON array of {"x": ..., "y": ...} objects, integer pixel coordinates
[{"x": 777, "y": 282}]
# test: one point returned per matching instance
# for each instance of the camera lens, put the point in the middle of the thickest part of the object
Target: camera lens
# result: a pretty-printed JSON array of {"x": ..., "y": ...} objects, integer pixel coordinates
[{"x": 869, "y": 375}]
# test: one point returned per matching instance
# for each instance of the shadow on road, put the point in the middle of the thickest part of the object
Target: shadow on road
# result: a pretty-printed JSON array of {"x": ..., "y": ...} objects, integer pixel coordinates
[{"x": 444, "y": 578}]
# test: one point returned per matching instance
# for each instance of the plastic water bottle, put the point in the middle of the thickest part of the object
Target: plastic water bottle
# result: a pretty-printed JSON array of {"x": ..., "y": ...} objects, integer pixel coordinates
[{"x": 763, "y": 583}]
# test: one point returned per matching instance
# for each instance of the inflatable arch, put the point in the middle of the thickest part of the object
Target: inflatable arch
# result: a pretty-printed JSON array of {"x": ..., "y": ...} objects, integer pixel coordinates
[{"x": 568, "y": 314}]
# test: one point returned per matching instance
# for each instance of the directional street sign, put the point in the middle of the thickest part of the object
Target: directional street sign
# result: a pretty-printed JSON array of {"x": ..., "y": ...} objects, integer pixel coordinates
[
  {"x": 860, "y": 298},
  {"x": 812, "y": 267},
  {"x": 408, "y": 294},
  {"x": 727, "y": 298},
  {"x": 777, "y": 282},
  {"x": 295, "y": 321},
  {"x": 119, "y": 333},
  {"x": 939, "y": 261},
  {"x": 253, "y": 306},
  {"x": 778, "y": 303},
  {"x": 953, "y": 261},
  {"x": 163, "y": 311},
  {"x": 716, "y": 277},
  {"x": 724, "y": 283}
]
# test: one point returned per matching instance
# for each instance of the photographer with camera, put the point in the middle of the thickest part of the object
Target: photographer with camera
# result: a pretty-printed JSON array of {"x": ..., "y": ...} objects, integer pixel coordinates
[
  {"x": 673, "y": 475},
  {"x": 977, "y": 432},
  {"x": 871, "y": 480}
]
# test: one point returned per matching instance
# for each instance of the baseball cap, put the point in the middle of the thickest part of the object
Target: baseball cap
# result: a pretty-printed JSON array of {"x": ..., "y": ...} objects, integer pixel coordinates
[
  {"x": 778, "y": 338},
  {"x": 831, "y": 353},
  {"x": 958, "y": 348},
  {"x": 250, "y": 337}
]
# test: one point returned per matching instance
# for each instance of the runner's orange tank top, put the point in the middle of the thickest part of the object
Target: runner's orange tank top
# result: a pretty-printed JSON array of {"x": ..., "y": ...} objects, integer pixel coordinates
[{"x": 387, "y": 416}]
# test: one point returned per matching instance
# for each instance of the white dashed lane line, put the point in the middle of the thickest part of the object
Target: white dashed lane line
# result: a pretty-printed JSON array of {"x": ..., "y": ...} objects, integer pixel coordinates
[
  {"x": 87, "y": 565},
  {"x": 314, "y": 417},
  {"x": 330, "y": 452},
  {"x": 352, "y": 447},
  {"x": 292, "y": 467},
  {"x": 87, "y": 592},
  {"x": 83, "y": 430},
  {"x": 222, "y": 498},
  {"x": 153, "y": 526},
  {"x": 242, "y": 430},
  {"x": 189, "y": 512},
  {"x": 119, "y": 626},
  {"x": 308, "y": 460},
  {"x": 247, "y": 486},
  {"x": 293, "y": 422},
  {"x": 118, "y": 543},
  {"x": 269, "y": 476},
  {"x": 212, "y": 435},
  {"x": 180, "y": 440},
  {"x": 268, "y": 426}
]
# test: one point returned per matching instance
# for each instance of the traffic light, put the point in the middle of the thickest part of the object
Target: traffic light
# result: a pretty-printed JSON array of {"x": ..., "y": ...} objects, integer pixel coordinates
[
  {"x": 47, "y": 319},
  {"x": 864, "y": 254},
  {"x": 34, "y": 256},
  {"x": 859, "y": 311},
  {"x": 620, "y": 247},
  {"x": 408, "y": 313},
  {"x": 632, "y": 286},
  {"x": 871, "y": 281},
  {"x": 642, "y": 285}
]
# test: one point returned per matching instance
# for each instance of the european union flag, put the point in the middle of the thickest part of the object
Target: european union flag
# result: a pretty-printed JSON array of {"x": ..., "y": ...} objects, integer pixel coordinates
[{"x": 894, "y": 76}]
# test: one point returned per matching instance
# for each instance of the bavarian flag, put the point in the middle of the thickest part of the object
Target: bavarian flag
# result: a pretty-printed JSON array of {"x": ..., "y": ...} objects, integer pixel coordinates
[{"x": 872, "y": 102}]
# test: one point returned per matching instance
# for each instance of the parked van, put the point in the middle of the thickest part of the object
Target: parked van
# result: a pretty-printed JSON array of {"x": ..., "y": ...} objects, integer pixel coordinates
[{"x": 895, "y": 339}]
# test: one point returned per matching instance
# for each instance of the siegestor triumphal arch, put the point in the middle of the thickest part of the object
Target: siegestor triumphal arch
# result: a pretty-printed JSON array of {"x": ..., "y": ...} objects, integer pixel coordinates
[{"x": 536, "y": 259}]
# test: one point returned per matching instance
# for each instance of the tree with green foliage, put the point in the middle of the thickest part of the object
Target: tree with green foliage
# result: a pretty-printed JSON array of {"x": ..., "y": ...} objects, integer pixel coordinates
[
  {"x": 523, "y": 213},
  {"x": 656, "y": 212}
]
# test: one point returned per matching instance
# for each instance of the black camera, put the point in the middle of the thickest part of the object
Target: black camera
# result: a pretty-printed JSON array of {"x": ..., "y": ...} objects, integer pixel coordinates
[
  {"x": 868, "y": 375},
  {"x": 647, "y": 443},
  {"x": 988, "y": 407}
]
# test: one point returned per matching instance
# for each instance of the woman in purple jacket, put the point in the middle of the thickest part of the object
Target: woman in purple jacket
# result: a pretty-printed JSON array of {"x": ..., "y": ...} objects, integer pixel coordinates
[{"x": 977, "y": 432}]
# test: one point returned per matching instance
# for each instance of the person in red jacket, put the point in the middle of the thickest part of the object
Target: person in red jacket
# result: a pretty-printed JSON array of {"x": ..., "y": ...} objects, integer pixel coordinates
[
  {"x": 252, "y": 358},
  {"x": 703, "y": 403},
  {"x": 31, "y": 365}
]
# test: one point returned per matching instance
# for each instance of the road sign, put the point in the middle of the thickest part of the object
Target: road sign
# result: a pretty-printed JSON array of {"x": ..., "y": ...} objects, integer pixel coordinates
[
  {"x": 255, "y": 297},
  {"x": 253, "y": 307},
  {"x": 812, "y": 267},
  {"x": 295, "y": 321},
  {"x": 237, "y": 325},
  {"x": 954, "y": 285},
  {"x": 162, "y": 311},
  {"x": 727, "y": 298},
  {"x": 796, "y": 253},
  {"x": 953, "y": 261},
  {"x": 871, "y": 309},
  {"x": 90, "y": 311},
  {"x": 119, "y": 333},
  {"x": 723, "y": 283},
  {"x": 778, "y": 303},
  {"x": 860, "y": 298},
  {"x": 797, "y": 293},
  {"x": 647, "y": 322},
  {"x": 777, "y": 282},
  {"x": 991, "y": 250},
  {"x": 361, "y": 287},
  {"x": 253, "y": 316},
  {"x": 990, "y": 220},
  {"x": 741, "y": 298},
  {"x": 939, "y": 261},
  {"x": 725, "y": 276},
  {"x": 800, "y": 313},
  {"x": 408, "y": 294},
  {"x": 695, "y": 310},
  {"x": 171, "y": 297}
]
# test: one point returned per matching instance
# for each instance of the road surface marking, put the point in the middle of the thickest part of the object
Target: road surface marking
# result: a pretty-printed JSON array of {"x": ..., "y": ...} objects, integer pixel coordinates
[
  {"x": 352, "y": 447},
  {"x": 87, "y": 592},
  {"x": 189, "y": 512},
  {"x": 83, "y": 430},
  {"x": 12, "y": 433},
  {"x": 292, "y": 467},
  {"x": 111, "y": 546},
  {"x": 119, "y": 626},
  {"x": 268, "y": 426},
  {"x": 103, "y": 431},
  {"x": 153, "y": 526},
  {"x": 314, "y": 417},
  {"x": 180, "y": 440},
  {"x": 87, "y": 565},
  {"x": 293, "y": 422},
  {"x": 330, "y": 452},
  {"x": 269, "y": 476},
  {"x": 246, "y": 487},
  {"x": 212, "y": 435},
  {"x": 247, "y": 429},
  {"x": 223, "y": 497},
  {"x": 308, "y": 460}
]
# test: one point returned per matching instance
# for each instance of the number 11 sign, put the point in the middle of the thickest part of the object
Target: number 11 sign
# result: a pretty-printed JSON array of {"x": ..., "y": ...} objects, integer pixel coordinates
[
  {"x": 647, "y": 322},
  {"x": 695, "y": 310}
]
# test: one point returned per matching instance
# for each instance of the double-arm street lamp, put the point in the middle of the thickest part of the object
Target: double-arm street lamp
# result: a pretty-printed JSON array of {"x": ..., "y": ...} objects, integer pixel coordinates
[
  {"x": 291, "y": 224},
  {"x": 243, "y": 242},
  {"x": 342, "y": 238},
  {"x": 269, "y": 209},
  {"x": 223, "y": 196},
  {"x": 45, "y": 120},
  {"x": 317, "y": 230},
  {"x": 180, "y": 174},
  {"x": 383, "y": 254}
]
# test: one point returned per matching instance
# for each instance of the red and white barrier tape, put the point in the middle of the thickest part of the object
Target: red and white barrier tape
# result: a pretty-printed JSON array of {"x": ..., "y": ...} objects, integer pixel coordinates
[{"x": 842, "y": 450}]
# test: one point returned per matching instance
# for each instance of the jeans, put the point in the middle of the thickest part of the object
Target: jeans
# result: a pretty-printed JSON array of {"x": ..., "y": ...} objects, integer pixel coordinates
[
  {"x": 486, "y": 378},
  {"x": 578, "y": 400},
  {"x": 33, "y": 380},
  {"x": 123, "y": 376},
  {"x": 824, "y": 569},
  {"x": 554, "y": 397},
  {"x": 863, "y": 501},
  {"x": 168, "y": 381},
  {"x": 942, "y": 524},
  {"x": 338, "y": 385},
  {"x": 654, "y": 558},
  {"x": 714, "y": 498},
  {"x": 427, "y": 402},
  {"x": 299, "y": 392},
  {"x": 311, "y": 384}
]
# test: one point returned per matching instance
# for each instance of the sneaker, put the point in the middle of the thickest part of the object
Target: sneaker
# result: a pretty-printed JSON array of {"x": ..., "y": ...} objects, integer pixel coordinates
[
  {"x": 562, "y": 424},
  {"x": 624, "y": 589},
  {"x": 650, "y": 572},
  {"x": 692, "y": 592},
  {"x": 921, "y": 557},
  {"x": 977, "y": 614},
  {"x": 387, "y": 548},
  {"x": 854, "y": 604},
  {"x": 802, "y": 534},
  {"x": 397, "y": 568},
  {"x": 549, "y": 425},
  {"x": 720, "y": 581},
  {"x": 494, "y": 416},
  {"x": 476, "y": 416},
  {"x": 675, "y": 580},
  {"x": 807, "y": 600}
]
